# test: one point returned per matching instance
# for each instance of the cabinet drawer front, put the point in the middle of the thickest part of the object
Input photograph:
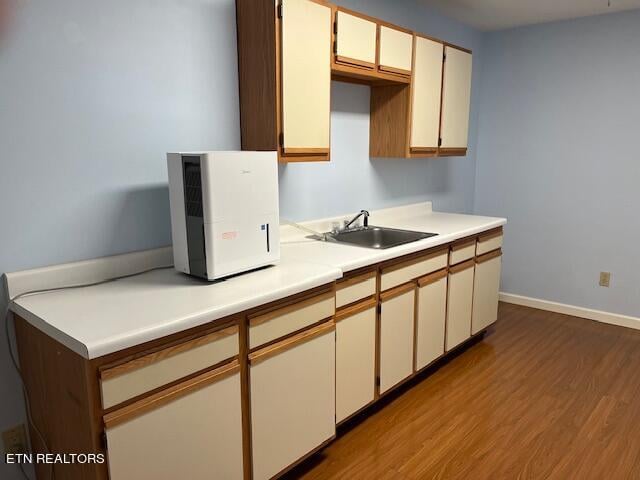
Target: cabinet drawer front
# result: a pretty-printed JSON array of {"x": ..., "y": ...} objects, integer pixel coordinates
[
  {"x": 459, "y": 305},
  {"x": 431, "y": 320},
  {"x": 147, "y": 373},
  {"x": 354, "y": 289},
  {"x": 355, "y": 362},
  {"x": 489, "y": 242},
  {"x": 427, "y": 86},
  {"x": 485, "y": 292},
  {"x": 272, "y": 325},
  {"x": 405, "y": 272},
  {"x": 456, "y": 98},
  {"x": 395, "y": 50},
  {"x": 292, "y": 404},
  {"x": 146, "y": 446},
  {"x": 396, "y": 339},
  {"x": 462, "y": 252},
  {"x": 356, "y": 40},
  {"x": 306, "y": 67}
]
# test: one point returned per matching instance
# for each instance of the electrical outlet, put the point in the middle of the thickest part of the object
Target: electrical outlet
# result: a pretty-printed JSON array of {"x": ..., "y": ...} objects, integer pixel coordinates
[
  {"x": 605, "y": 279},
  {"x": 15, "y": 440}
]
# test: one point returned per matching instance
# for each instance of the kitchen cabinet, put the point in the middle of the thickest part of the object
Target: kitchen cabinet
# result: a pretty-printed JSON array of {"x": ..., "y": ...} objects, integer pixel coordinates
[
  {"x": 265, "y": 327},
  {"x": 289, "y": 51},
  {"x": 431, "y": 315},
  {"x": 192, "y": 429},
  {"x": 426, "y": 96},
  {"x": 261, "y": 389},
  {"x": 306, "y": 67},
  {"x": 284, "y": 65},
  {"x": 486, "y": 290},
  {"x": 136, "y": 377},
  {"x": 397, "y": 314},
  {"x": 395, "y": 50},
  {"x": 355, "y": 358},
  {"x": 356, "y": 40},
  {"x": 459, "y": 303},
  {"x": 292, "y": 385},
  {"x": 456, "y": 101}
]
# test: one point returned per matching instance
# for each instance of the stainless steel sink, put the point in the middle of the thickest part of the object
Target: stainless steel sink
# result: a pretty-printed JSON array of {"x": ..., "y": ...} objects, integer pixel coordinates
[{"x": 378, "y": 237}]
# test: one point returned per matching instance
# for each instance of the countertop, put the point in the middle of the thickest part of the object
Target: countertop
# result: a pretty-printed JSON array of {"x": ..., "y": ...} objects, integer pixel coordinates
[
  {"x": 296, "y": 245},
  {"x": 95, "y": 321}
]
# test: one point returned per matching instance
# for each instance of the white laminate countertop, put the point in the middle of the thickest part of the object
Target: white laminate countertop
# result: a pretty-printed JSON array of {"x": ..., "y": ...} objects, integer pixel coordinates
[
  {"x": 296, "y": 245},
  {"x": 99, "y": 320},
  {"x": 95, "y": 321}
]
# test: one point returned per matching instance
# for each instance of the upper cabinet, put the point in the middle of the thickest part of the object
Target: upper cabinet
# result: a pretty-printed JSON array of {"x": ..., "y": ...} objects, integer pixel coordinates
[
  {"x": 396, "y": 50},
  {"x": 426, "y": 96},
  {"x": 306, "y": 77},
  {"x": 355, "y": 42},
  {"x": 284, "y": 67},
  {"x": 290, "y": 50},
  {"x": 456, "y": 98}
]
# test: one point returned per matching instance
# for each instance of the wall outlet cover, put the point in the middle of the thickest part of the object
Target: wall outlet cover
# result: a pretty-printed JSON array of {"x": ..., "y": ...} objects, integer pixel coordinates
[
  {"x": 605, "y": 279},
  {"x": 15, "y": 440}
]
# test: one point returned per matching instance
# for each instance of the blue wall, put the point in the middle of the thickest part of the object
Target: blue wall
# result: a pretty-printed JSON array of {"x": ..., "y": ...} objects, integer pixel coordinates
[
  {"x": 558, "y": 156},
  {"x": 94, "y": 93}
]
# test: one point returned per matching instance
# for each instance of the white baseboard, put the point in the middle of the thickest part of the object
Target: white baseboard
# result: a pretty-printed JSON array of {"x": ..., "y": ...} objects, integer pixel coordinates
[{"x": 597, "y": 315}]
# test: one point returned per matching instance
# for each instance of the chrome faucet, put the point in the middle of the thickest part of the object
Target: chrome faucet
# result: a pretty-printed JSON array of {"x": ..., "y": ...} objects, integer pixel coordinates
[{"x": 362, "y": 213}]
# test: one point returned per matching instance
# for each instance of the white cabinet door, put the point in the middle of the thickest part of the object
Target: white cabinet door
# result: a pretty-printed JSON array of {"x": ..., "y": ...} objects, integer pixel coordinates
[
  {"x": 355, "y": 360},
  {"x": 459, "y": 304},
  {"x": 355, "y": 40},
  {"x": 396, "y": 50},
  {"x": 292, "y": 399},
  {"x": 306, "y": 76},
  {"x": 430, "y": 323},
  {"x": 426, "y": 87},
  {"x": 191, "y": 431},
  {"x": 485, "y": 291},
  {"x": 456, "y": 98},
  {"x": 396, "y": 338}
]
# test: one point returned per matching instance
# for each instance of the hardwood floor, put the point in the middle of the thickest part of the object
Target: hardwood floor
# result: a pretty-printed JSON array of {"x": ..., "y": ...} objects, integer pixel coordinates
[{"x": 543, "y": 395}]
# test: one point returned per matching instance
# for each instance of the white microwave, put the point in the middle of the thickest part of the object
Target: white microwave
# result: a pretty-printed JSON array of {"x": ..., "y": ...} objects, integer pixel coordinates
[{"x": 224, "y": 212}]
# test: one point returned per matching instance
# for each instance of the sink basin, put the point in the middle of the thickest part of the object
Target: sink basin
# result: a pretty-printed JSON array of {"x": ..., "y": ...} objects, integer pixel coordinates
[{"x": 378, "y": 237}]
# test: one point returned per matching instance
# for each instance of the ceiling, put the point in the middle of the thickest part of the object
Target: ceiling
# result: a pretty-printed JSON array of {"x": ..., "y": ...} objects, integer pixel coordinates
[{"x": 501, "y": 14}]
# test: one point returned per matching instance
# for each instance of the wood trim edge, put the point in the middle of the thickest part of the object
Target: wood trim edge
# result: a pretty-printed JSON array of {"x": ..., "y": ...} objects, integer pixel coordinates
[
  {"x": 356, "y": 308},
  {"x": 394, "y": 70},
  {"x": 433, "y": 277},
  {"x": 397, "y": 291},
  {"x": 438, "y": 251},
  {"x": 107, "y": 373},
  {"x": 354, "y": 62},
  {"x": 286, "y": 344},
  {"x": 173, "y": 393},
  {"x": 260, "y": 318},
  {"x": 489, "y": 256},
  {"x": 462, "y": 266},
  {"x": 485, "y": 236},
  {"x": 348, "y": 282},
  {"x": 452, "y": 152}
]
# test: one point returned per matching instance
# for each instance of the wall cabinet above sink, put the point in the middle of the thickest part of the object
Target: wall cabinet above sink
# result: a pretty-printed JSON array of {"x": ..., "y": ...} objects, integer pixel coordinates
[{"x": 290, "y": 50}]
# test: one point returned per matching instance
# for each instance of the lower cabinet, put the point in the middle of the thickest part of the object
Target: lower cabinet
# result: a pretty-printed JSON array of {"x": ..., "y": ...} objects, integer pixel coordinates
[
  {"x": 459, "y": 304},
  {"x": 485, "y": 291},
  {"x": 192, "y": 429},
  {"x": 292, "y": 399},
  {"x": 431, "y": 318},
  {"x": 355, "y": 358},
  {"x": 396, "y": 335}
]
